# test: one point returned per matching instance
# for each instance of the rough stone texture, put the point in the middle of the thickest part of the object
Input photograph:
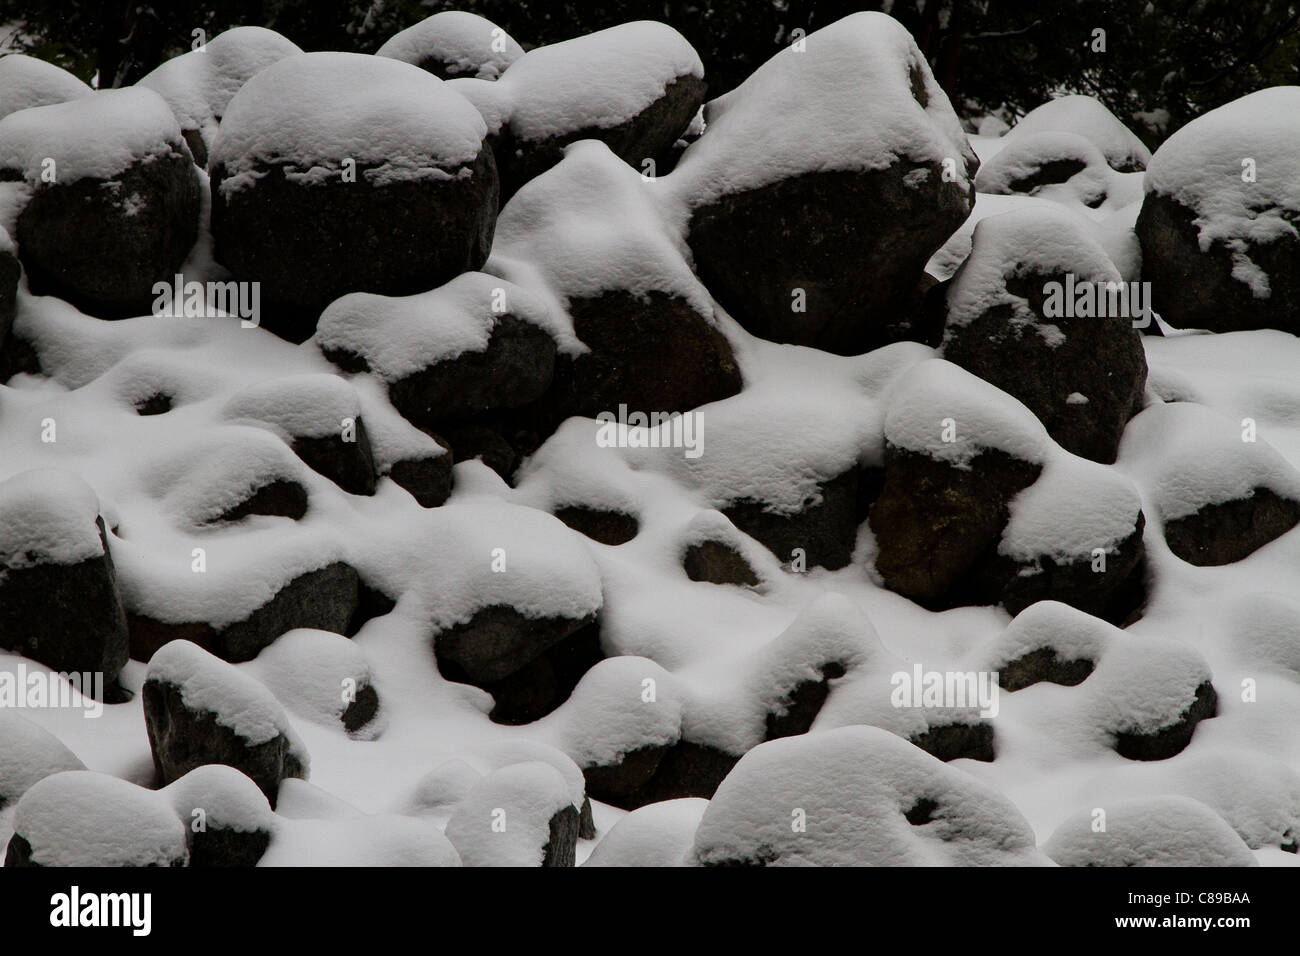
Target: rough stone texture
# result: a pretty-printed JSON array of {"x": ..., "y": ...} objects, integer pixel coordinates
[
  {"x": 826, "y": 532},
  {"x": 349, "y": 464},
  {"x": 934, "y": 523},
  {"x": 718, "y": 563},
  {"x": 67, "y": 617},
  {"x": 279, "y": 498},
  {"x": 222, "y": 847},
  {"x": 183, "y": 739},
  {"x": 1043, "y": 664},
  {"x": 562, "y": 847},
  {"x": 1195, "y": 289},
  {"x": 1228, "y": 532},
  {"x": 855, "y": 242},
  {"x": 11, "y": 273},
  {"x": 951, "y": 741},
  {"x": 325, "y": 599},
  {"x": 545, "y": 682},
  {"x": 1170, "y": 740},
  {"x": 648, "y": 135},
  {"x": 308, "y": 244},
  {"x": 607, "y": 527},
  {"x": 102, "y": 244},
  {"x": 428, "y": 479},
  {"x": 496, "y": 642},
  {"x": 803, "y": 703},
  {"x": 1100, "y": 358}
]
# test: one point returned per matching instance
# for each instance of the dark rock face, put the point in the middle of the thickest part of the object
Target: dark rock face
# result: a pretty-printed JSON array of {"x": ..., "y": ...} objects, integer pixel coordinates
[
  {"x": 648, "y": 135},
  {"x": 1168, "y": 741},
  {"x": 428, "y": 479},
  {"x": 308, "y": 244},
  {"x": 1195, "y": 289},
  {"x": 856, "y": 243},
  {"x": 718, "y": 563},
  {"x": 934, "y": 523},
  {"x": 802, "y": 705},
  {"x": 825, "y": 532},
  {"x": 1043, "y": 664},
  {"x": 325, "y": 599},
  {"x": 1100, "y": 358},
  {"x": 950, "y": 741},
  {"x": 102, "y": 244},
  {"x": 652, "y": 775},
  {"x": 349, "y": 464},
  {"x": 279, "y": 498},
  {"x": 11, "y": 273},
  {"x": 546, "y": 682},
  {"x": 67, "y": 617},
  {"x": 220, "y": 846},
  {"x": 618, "y": 784},
  {"x": 182, "y": 739},
  {"x": 562, "y": 847},
  {"x": 1227, "y": 532},
  {"x": 607, "y": 527}
]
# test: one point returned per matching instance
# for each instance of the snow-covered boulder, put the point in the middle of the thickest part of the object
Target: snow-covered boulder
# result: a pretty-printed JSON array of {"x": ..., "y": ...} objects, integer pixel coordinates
[
  {"x": 1154, "y": 831},
  {"x": 713, "y": 550},
  {"x": 108, "y": 198},
  {"x": 520, "y": 815},
  {"x": 1221, "y": 491},
  {"x": 1039, "y": 310},
  {"x": 634, "y": 87},
  {"x": 642, "y": 331},
  {"x": 858, "y": 796},
  {"x": 11, "y": 273},
  {"x": 28, "y": 754},
  {"x": 80, "y": 818},
  {"x": 200, "y": 710},
  {"x": 340, "y": 172},
  {"x": 322, "y": 676},
  {"x": 957, "y": 451},
  {"x": 59, "y": 601},
  {"x": 228, "y": 820},
  {"x": 453, "y": 44},
  {"x": 1034, "y": 163},
  {"x": 319, "y": 418},
  {"x": 660, "y": 834},
  {"x": 1220, "y": 244},
  {"x": 823, "y": 183},
  {"x": 26, "y": 81},
  {"x": 1088, "y": 117},
  {"x": 476, "y": 344},
  {"x": 1048, "y": 641},
  {"x": 199, "y": 85}
]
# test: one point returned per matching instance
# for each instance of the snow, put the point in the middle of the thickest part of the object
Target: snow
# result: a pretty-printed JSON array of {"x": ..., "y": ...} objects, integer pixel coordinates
[
  {"x": 199, "y": 85},
  {"x": 844, "y": 104},
  {"x": 596, "y": 81},
  {"x": 459, "y": 39},
  {"x": 854, "y": 785},
  {"x": 360, "y": 841},
  {"x": 313, "y": 110},
  {"x": 1088, "y": 117},
  {"x": 308, "y": 671},
  {"x": 229, "y": 800},
  {"x": 95, "y": 136},
  {"x": 47, "y": 516},
  {"x": 935, "y": 392},
  {"x": 235, "y": 700},
  {"x": 1204, "y": 166},
  {"x": 1041, "y": 240},
  {"x": 28, "y": 754},
  {"x": 401, "y": 335},
  {"x": 1157, "y": 831},
  {"x": 27, "y": 82},
  {"x": 520, "y": 800},
  {"x": 1141, "y": 687},
  {"x": 1070, "y": 633},
  {"x": 80, "y": 818},
  {"x": 1025, "y": 155},
  {"x": 207, "y": 477},
  {"x": 658, "y": 834},
  {"x": 302, "y": 406},
  {"x": 1188, "y": 456}
]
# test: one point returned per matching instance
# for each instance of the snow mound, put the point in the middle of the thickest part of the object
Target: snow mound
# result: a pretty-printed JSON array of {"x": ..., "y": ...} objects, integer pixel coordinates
[
  {"x": 935, "y": 396},
  {"x": 28, "y": 753},
  {"x": 842, "y": 798},
  {"x": 359, "y": 841},
  {"x": 658, "y": 834},
  {"x": 313, "y": 110},
  {"x": 859, "y": 97},
  {"x": 398, "y": 336},
  {"x": 505, "y": 820},
  {"x": 1026, "y": 157},
  {"x": 1156, "y": 831},
  {"x": 236, "y": 700},
  {"x": 311, "y": 672},
  {"x": 47, "y": 516},
  {"x": 26, "y": 82},
  {"x": 595, "y": 81},
  {"x": 229, "y": 800},
  {"x": 301, "y": 406},
  {"x": 1069, "y": 632},
  {"x": 199, "y": 85},
  {"x": 1188, "y": 456},
  {"x": 1040, "y": 240},
  {"x": 458, "y": 39},
  {"x": 94, "y": 136},
  {"x": 1265, "y": 629},
  {"x": 80, "y": 818},
  {"x": 1143, "y": 687},
  {"x": 1089, "y": 118},
  {"x": 213, "y": 474},
  {"x": 1203, "y": 167},
  {"x": 1074, "y": 507}
]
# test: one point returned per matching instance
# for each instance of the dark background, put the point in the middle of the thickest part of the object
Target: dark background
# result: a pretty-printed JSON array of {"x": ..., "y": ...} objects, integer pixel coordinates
[{"x": 1174, "y": 57}]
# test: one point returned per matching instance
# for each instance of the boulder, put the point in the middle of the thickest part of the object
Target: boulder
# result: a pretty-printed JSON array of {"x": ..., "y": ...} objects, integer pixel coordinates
[
  {"x": 112, "y": 198},
  {"x": 1218, "y": 231},
  {"x": 1087, "y": 117},
  {"x": 26, "y": 82},
  {"x": 454, "y": 44},
  {"x": 519, "y": 815},
  {"x": 228, "y": 820},
  {"x": 338, "y": 172},
  {"x": 28, "y": 753},
  {"x": 1162, "y": 831}
]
